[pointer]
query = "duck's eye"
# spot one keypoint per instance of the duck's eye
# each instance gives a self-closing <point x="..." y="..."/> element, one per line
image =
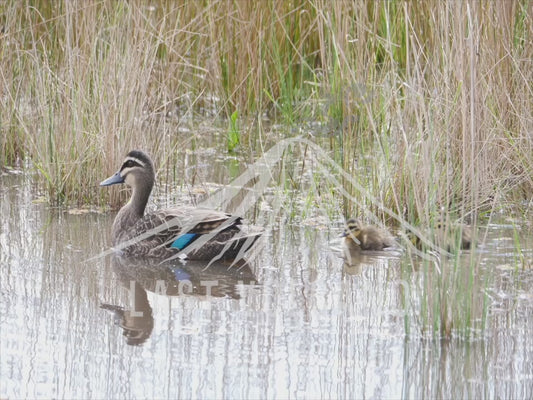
<point x="131" y="163"/>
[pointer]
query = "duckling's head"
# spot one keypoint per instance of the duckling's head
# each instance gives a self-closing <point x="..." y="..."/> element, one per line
<point x="353" y="228"/>
<point x="137" y="169"/>
<point x="414" y="239"/>
<point x="351" y="235"/>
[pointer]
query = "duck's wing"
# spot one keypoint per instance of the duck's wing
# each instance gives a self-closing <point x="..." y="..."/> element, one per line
<point x="208" y="234"/>
<point x="203" y="220"/>
<point x="177" y="227"/>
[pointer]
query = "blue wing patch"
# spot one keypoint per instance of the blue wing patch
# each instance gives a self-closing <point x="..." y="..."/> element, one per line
<point x="184" y="240"/>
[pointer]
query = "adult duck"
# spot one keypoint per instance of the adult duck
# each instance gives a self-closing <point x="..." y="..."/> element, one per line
<point x="197" y="233"/>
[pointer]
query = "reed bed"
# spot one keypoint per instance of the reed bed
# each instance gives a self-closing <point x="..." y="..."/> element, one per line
<point x="426" y="105"/>
<point x="436" y="96"/>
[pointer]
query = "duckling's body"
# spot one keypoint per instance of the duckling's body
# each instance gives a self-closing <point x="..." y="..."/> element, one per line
<point x="466" y="236"/>
<point x="201" y="234"/>
<point x="360" y="237"/>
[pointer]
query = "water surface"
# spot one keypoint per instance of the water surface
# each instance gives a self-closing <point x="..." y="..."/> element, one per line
<point x="296" y="322"/>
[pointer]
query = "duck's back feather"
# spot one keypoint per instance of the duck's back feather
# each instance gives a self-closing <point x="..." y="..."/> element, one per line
<point x="164" y="233"/>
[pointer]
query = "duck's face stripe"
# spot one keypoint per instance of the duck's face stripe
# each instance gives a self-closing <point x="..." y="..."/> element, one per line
<point x="131" y="163"/>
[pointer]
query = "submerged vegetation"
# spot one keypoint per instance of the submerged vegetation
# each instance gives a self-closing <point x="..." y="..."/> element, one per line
<point x="423" y="109"/>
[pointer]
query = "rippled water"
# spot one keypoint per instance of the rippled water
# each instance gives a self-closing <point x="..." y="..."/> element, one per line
<point x="294" y="323"/>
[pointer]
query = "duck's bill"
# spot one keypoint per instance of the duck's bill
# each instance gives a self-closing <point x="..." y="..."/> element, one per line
<point x="113" y="180"/>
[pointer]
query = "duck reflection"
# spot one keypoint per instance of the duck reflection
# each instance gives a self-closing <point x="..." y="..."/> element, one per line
<point x="193" y="278"/>
<point x="136" y="321"/>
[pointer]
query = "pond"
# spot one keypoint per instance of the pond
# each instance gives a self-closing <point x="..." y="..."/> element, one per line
<point x="296" y="321"/>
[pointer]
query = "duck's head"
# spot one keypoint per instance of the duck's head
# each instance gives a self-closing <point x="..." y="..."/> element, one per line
<point x="137" y="169"/>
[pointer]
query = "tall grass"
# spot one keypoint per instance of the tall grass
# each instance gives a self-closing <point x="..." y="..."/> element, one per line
<point x="437" y="93"/>
<point x="427" y="105"/>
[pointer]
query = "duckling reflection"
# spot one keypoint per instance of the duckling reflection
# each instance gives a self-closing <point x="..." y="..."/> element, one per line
<point x="140" y="276"/>
<point x="353" y="261"/>
<point x="364" y="263"/>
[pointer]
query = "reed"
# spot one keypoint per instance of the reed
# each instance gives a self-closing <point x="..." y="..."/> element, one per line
<point x="437" y="92"/>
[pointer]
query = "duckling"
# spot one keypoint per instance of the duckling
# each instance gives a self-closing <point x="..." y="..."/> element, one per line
<point x="465" y="233"/>
<point x="360" y="237"/>
<point x="447" y="237"/>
